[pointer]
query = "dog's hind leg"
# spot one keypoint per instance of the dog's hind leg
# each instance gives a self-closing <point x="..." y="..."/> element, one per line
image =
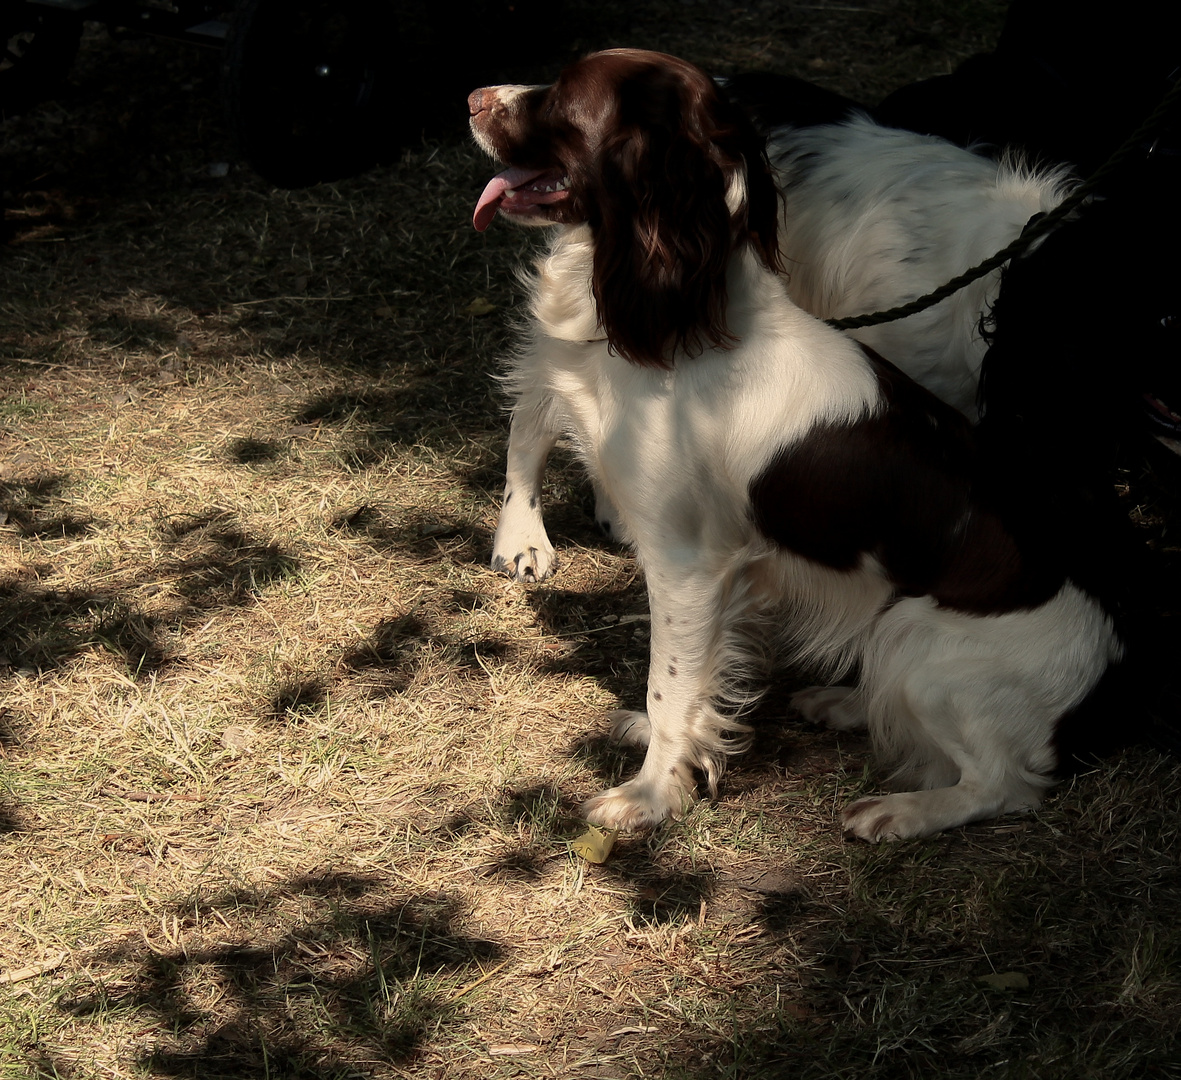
<point x="904" y="815"/>
<point x="606" y="516"/>
<point x="836" y="707"/>
<point x="972" y="736"/>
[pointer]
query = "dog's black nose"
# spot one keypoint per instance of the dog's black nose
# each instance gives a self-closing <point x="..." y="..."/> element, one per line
<point x="477" y="101"/>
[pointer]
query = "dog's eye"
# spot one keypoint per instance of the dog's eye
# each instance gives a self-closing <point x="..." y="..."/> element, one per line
<point x="1170" y="322"/>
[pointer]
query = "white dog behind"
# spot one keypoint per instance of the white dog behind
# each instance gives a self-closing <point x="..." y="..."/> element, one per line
<point x="875" y="217"/>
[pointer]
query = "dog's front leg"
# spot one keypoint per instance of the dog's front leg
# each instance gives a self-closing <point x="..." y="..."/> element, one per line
<point x="683" y="728"/>
<point x="521" y="548"/>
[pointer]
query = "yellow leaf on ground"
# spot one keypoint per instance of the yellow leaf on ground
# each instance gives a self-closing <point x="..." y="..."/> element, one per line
<point x="595" y="844"/>
<point x="479" y="306"/>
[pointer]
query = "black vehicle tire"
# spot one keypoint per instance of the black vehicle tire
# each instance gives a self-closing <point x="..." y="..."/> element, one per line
<point x="39" y="45"/>
<point x="308" y="85"/>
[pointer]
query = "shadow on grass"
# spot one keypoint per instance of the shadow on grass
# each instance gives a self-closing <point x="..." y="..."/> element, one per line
<point x="378" y="420"/>
<point x="425" y="535"/>
<point x="42" y="628"/>
<point x="130" y="334"/>
<point x="384" y="660"/>
<point x="545" y="820"/>
<point x="255" y="452"/>
<point x="217" y="563"/>
<point x="614" y="620"/>
<point x="9" y="822"/>
<point x="27" y="506"/>
<point x="295" y="700"/>
<point x="663" y="896"/>
<point x="887" y="1019"/>
<point x="11" y="819"/>
<point x="610" y="762"/>
<point x="211" y="563"/>
<point x="370" y="972"/>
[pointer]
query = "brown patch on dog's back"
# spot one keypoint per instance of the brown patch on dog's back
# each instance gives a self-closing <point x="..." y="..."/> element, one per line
<point x="908" y="486"/>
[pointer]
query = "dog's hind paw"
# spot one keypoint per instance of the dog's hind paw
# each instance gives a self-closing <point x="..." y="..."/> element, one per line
<point x="879" y="818"/>
<point x="606" y="517"/>
<point x="907" y="815"/>
<point x="836" y="707"/>
<point x="630" y="727"/>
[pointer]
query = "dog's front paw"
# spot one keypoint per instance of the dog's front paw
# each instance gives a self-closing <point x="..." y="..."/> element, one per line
<point x="528" y="564"/>
<point x="834" y="706"/>
<point x="630" y="727"/>
<point x="641" y="804"/>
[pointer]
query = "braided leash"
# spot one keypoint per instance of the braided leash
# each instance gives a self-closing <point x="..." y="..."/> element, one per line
<point x="1037" y="227"/>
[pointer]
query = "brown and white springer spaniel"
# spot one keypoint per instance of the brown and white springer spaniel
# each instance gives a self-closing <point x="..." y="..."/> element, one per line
<point x="765" y="468"/>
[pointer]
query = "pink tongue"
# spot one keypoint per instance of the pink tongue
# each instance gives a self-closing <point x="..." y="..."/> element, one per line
<point x="493" y="194"/>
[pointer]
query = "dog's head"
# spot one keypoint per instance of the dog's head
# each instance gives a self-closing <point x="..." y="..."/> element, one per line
<point x="671" y="179"/>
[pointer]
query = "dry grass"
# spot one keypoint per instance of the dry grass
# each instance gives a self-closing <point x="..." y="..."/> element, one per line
<point x="288" y="773"/>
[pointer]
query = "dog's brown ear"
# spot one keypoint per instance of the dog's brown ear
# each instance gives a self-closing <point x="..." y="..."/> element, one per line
<point x="664" y="233"/>
<point x="761" y="212"/>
